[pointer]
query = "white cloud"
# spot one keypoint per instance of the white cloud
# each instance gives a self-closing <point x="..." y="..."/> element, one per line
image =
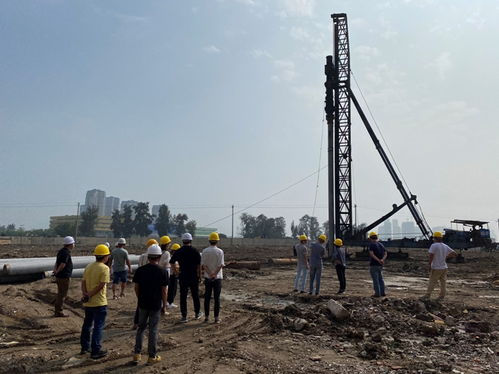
<point x="299" y="33"/>
<point x="211" y="49"/>
<point x="257" y="53"/>
<point x="442" y="64"/>
<point x="297" y="8"/>
<point x="286" y="70"/>
<point x="366" y="52"/>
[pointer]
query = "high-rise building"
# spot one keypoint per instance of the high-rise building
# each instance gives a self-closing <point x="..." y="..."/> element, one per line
<point x="96" y="198"/>
<point x="385" y="230"/>
<point x="111" y="204"/>
<point x="395" y="229"/>
<point x="130" y="203"/>
<point x="155" y="210"/>
<point x="409" y="229"/>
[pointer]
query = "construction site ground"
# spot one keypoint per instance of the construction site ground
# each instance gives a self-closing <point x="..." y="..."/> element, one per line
<point x="267" y="328"/>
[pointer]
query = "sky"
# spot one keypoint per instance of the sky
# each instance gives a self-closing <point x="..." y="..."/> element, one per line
<point x="207" y="104"/>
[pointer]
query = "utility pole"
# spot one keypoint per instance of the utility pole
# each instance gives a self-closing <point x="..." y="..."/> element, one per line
<point x="232" y="236"/>
<point x="77" y="217"/>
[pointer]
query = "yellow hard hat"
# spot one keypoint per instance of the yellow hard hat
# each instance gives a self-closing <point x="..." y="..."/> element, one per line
<point x="438" y="234"/>
<point x="151" y="242"/>
<point x="303" y="237"/>
<point x="214" y="236"/>
<point x="372" y="233"/>
<point x="164" y="240"/>
<point x="338" y="242"/>
<point x="175" y="246"/>
<point x="101" y="250"/>
<point x="323" y="237"/>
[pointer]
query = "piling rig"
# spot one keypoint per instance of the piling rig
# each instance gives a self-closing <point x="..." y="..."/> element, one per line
<point x="339" y="98"/>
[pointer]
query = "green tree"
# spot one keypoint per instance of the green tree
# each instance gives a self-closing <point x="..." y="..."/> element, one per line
<point x="262" y="226"/>
<point x="65" y="229"/>
<point x="117" y="224"/>
<point x="294" y="230"/>
<point x="127" y="221"/>
<point x="142" y="220"/>
<point x="248" y="225"/>
<point x="191" y="227"/>
<point x="179" y="223"/>
<point x="88" y="220"/>
<point x="164" y="224"/>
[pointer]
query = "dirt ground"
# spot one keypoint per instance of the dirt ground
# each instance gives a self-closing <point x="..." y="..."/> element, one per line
<point x="266" y="328"/>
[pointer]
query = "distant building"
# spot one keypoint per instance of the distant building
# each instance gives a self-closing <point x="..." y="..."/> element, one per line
<point x="155" y="210"/>
<point x="385" y="230"/>
<point x="396" y="229"/>
<point x="111" y="204"/>
<point x="130" y="203"/>
<point x="409" y="229"/>
<point x="203" y="231"/>
<point x="96" y="198"/>
<point x="102" y="225"/>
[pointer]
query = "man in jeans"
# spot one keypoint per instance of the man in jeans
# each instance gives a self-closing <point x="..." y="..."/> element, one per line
<point x="119" y="262"/>
<point x="189" y="261"/>
<point x="438" y="254"/>
<point x="317" y="253"/>
<point x="301" y="250"/>
<point x="377" y="254"/>
<point x="340" y="261"/>
<point x="63" y="270"/>
<point x="93" y="287"/>
<point x="151" y="287"/>
<point x="212" y="262"/>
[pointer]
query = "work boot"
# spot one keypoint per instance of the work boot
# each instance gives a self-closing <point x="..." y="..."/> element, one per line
<point x="183" y="320"/>
<point x="60" y="315"/>
<point x="136" y="358"/>
<point x="98" y="354"/>
<point x="153" y="360"/>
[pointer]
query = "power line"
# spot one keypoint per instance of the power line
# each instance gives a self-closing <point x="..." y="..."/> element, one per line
<point x="319" y="167"/>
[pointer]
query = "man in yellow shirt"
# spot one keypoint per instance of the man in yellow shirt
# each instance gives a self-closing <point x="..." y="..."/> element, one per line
<point x="93" y="287"/>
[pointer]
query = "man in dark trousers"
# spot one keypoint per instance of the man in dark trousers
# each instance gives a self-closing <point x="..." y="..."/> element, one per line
<point x="172" y="282"/>
<point x="63" y="270"/>
<point x="340" y="262"/>
<point x="212" y="261"/>
<point x="189" y="261"/>
<point x="151" y="287"/>
<point x="377" y="254"/>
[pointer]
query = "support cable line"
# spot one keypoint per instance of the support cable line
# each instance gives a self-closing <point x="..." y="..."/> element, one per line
<point x="268" y="197"/>
<point x="319" y="167"/>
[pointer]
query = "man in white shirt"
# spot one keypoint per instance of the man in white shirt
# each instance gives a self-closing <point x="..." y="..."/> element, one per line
<point x="212" y="262"/>
<point x="439" y="253"/>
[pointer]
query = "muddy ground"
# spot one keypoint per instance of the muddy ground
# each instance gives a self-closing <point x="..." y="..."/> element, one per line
<point x="266" y="328"/>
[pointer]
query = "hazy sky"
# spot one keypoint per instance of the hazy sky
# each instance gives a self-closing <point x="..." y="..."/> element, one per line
<point x="205" y="104"/>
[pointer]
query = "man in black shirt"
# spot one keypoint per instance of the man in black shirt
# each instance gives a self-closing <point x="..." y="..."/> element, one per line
<point x="151" y="287"/>
<point x="377" y="254"/>
<point x="62" y="271"/>
<point x="189" y="261"/>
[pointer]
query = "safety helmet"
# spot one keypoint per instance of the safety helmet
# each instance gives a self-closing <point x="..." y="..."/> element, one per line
<point x="151" y="242"/>
<point x="68" y="240"/>
<point x="323" y="237"/>
<point x="187" y="237"/>
<point x="438" y="234"/>
<point x="303" y="237"/>
<point x="164" y="240"/>
<point x="175" y="246"/>
<point x="372" y="233"/>
<point x="101" y="250"/>
<point x="154" y="250"/>
<point x="338" y="242"/>
<point x="121" y="241"/>
<point x="214" y="236"/>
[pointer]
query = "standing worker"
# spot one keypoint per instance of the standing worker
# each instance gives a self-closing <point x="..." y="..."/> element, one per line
<point x="340" y="261"/>
<point x="377" y="254"/>
<point x="119" y="261"/>
<point x="164" y="261"/>
<point x="172" y="283"/>
<point x="63" y="270"/>
<point x="438" y="254"/>
<point x="143" y="260"/>
<point x="151" y="287"/>
<point x="212" y="262"/>
<point x="93" y="287"/>
<point x="189" y="261"/>
<point x="302" y="266"/>
<point x="317" y="253"/>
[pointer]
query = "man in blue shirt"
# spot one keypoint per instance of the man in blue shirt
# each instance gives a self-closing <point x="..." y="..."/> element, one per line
<point x="317" y="253"/>
<point x="377" y="254"/>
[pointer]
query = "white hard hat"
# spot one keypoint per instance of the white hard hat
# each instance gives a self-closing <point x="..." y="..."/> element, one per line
<point x="107" y="244"/>
<point x="68" y="240"/>
<point x="154" y="250"/>
<point x="186" y="237"/>
<point x="121" y="241"/>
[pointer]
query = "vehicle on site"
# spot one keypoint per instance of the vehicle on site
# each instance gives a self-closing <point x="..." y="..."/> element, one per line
<point x="468" y="234"/>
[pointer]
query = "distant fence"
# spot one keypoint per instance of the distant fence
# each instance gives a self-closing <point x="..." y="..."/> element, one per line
<point x="139" y="241"/>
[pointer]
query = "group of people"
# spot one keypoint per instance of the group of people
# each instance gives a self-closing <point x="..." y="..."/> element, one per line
<point x="155" y="284"/>
<point x="310" y="260"/>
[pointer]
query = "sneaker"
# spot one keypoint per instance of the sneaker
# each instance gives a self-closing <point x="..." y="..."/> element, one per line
<point x="340" y="292"/>
<point x="183" y="320"/>
<point x="136" y="358"/>
<point x="217" y="320"/>
<point x="99" y="354"/>
<point x="302" y="291"/>
<point x="198" y="316"/>
<point x="60" y="315"/>
<point x="84" y="351"/>
<point x="295" y="290"/>
<point x="153" y="360"/>
<point x="206" y="320"/>
<point x="172" y="306"/>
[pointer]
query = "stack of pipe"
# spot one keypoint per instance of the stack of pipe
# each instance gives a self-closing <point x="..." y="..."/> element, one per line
<point x="15" y="270"/>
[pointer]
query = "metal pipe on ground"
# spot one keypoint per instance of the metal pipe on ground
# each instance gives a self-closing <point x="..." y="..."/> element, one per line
<point x="249" y="265"/>
<point x="282" y="261"/>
